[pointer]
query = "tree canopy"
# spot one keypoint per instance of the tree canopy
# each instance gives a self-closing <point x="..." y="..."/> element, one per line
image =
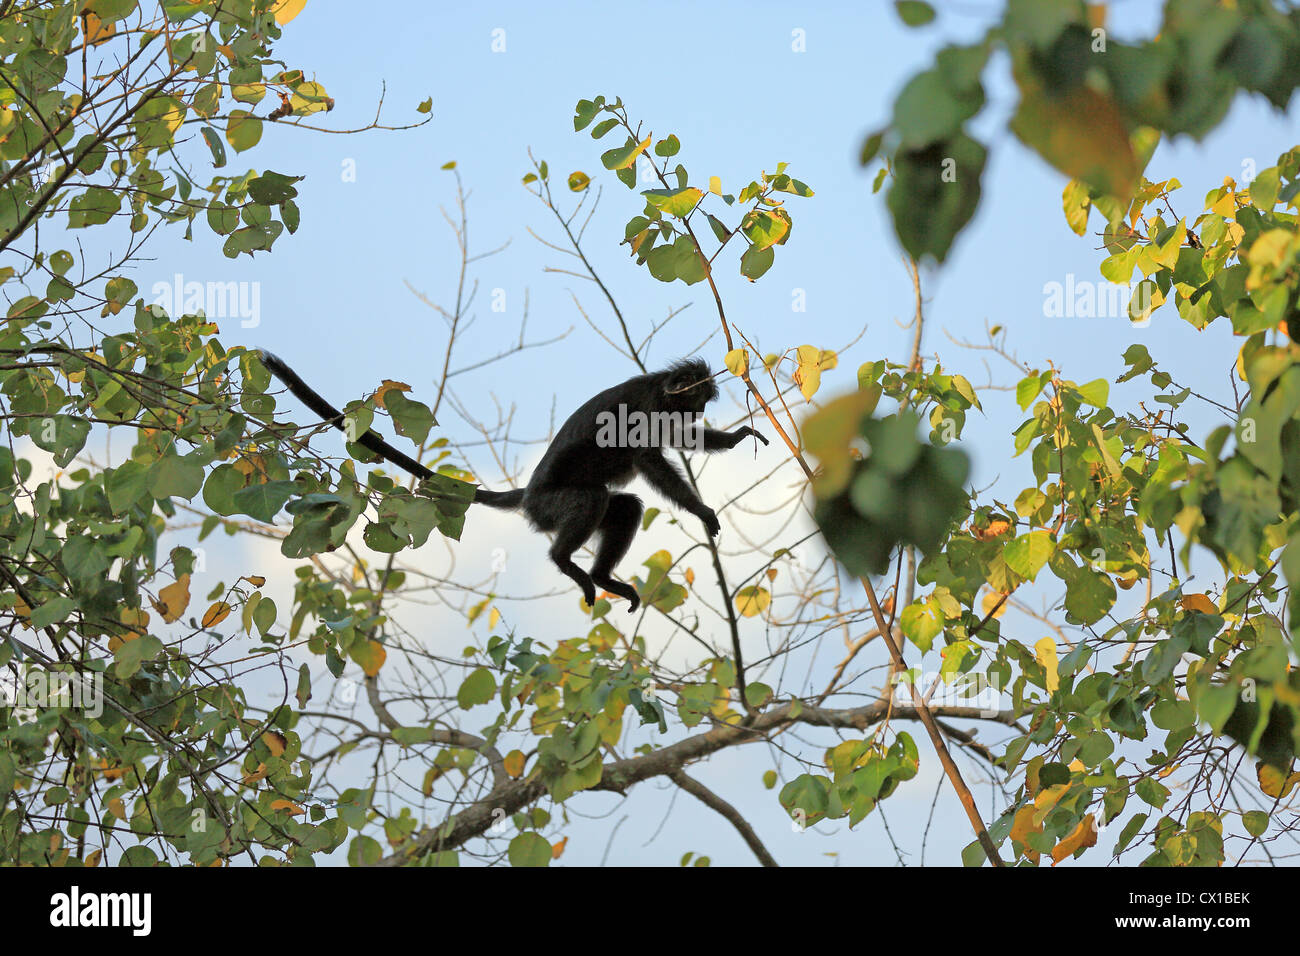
<point x="1131" y="698"/>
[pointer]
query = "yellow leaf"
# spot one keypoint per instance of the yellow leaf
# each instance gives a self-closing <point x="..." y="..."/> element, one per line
<point x="217" y="613"/>
<point x="812" y="361"/>
<point x="389" y="386"/>
<point x="1077" y="765"/>
<point x="1021" y="828"/>
<point x="557" y="849"/>
<point x="690" y="577"/>
<point x="1045" y="654"/>
<point x="370" y="656"/>
<point x="256" y="580"/>
<point x="117" y="808"/>
<point x="1127" y="582"/>
<point x="286" y="10"/>
<point x="256" y="775"/>
<point x="173" y="599"/>
<point x="1274" y="782"/>
<point x="275" y="742"/>
<point x="92" y="858"/>
<point x="289" y="805"/>
<point x="1083" y="133"/>
<point x="1226" y="205"/>
<point x="1082" y="836"/>
<point x="991" y="600"/>
<point x="1047" y="798"/>
<point x="430" y="778"/>
<point x="514" y="763"/>
<point x="477" y="609"/>
<point x="771" y="574"/>
<point x="1198" y="602"/>
<point x="494" y="618"/>
<point x="753" y="600"/>
<point x="996" y="527"/>
<point x="96" y="30"/>
<point x="737" y="362"/>
<point x="640" y="148"/>
<point x="715" y="185"/>
<point x="136" y="618"/>
<point x="251" y="466"/>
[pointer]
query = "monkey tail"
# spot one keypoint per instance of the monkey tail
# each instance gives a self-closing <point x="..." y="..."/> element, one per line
<point x="499" y="499"/>
<point x="313" y="400"/>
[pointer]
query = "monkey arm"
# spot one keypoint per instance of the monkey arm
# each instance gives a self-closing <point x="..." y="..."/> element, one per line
<point x="668" y="481"/>
<point x="699" y="438"/>
<point x="714" y="440"/>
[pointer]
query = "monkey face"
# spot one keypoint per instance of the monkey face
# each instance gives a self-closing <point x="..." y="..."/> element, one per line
<point x="689" y="386"/>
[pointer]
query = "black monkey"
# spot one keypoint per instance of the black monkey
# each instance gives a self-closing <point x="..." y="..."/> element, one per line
<point x="611" y="438"/>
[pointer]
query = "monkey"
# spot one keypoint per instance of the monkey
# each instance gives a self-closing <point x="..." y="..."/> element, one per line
<point x="614" y="436"/>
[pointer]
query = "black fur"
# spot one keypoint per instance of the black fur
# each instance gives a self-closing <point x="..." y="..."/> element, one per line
<point x="570" y="491"/>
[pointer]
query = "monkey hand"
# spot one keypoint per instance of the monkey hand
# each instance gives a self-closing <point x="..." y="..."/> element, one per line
<point x="746" y="431"/>
<point x="710" y="519"/>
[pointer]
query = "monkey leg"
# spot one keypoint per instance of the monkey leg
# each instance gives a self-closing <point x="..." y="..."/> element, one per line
<point x="617" y="529"/>
<point x="574" y="514"/>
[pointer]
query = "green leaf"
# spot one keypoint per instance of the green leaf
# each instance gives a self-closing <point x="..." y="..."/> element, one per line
<point x="1152" y="791"/>
<point x="529" y="849"/>
<point x="125" y="485"/>
<point x="131" y="654"/>
<point x="8" y="773"/>
<point x="478" y="688"/>
<point x="94" y="207"/>
<point x="1255" y="821"/>
<point x="1027" y="554"/>
<point x="668" y="146"/>
<point x="379" y="536"/>
<point x="1028" y="389"/>
<point x="973" y="855"/>
<point x="85" y="557"/>
<point x="1215" y="704"/>
<point x="1095" y="392"/>
<point x="583" y="114"/>
<point x="915" y="13"/>
<point x="929" y="111"/>
<point x="935" y="191"/>
<point x="756" y="261"/>
<point x="756" y="694"/>
<point x="263" y="501"/>
<point x="303" y="694"/>
<point x="52" y="612"/>
<point x="922" y="623"/>
<point x="243" y="130"/>
<point x="215" y="146"/>
<point x="272" y="189"/>
<point x="412" y="419"/>
<point x="173" y="476"/>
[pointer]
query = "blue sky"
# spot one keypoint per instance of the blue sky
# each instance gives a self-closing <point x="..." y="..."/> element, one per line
<point x="726" y="80"/>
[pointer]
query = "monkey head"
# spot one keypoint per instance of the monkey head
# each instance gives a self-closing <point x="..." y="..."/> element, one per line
<point x="688" y="385"/>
